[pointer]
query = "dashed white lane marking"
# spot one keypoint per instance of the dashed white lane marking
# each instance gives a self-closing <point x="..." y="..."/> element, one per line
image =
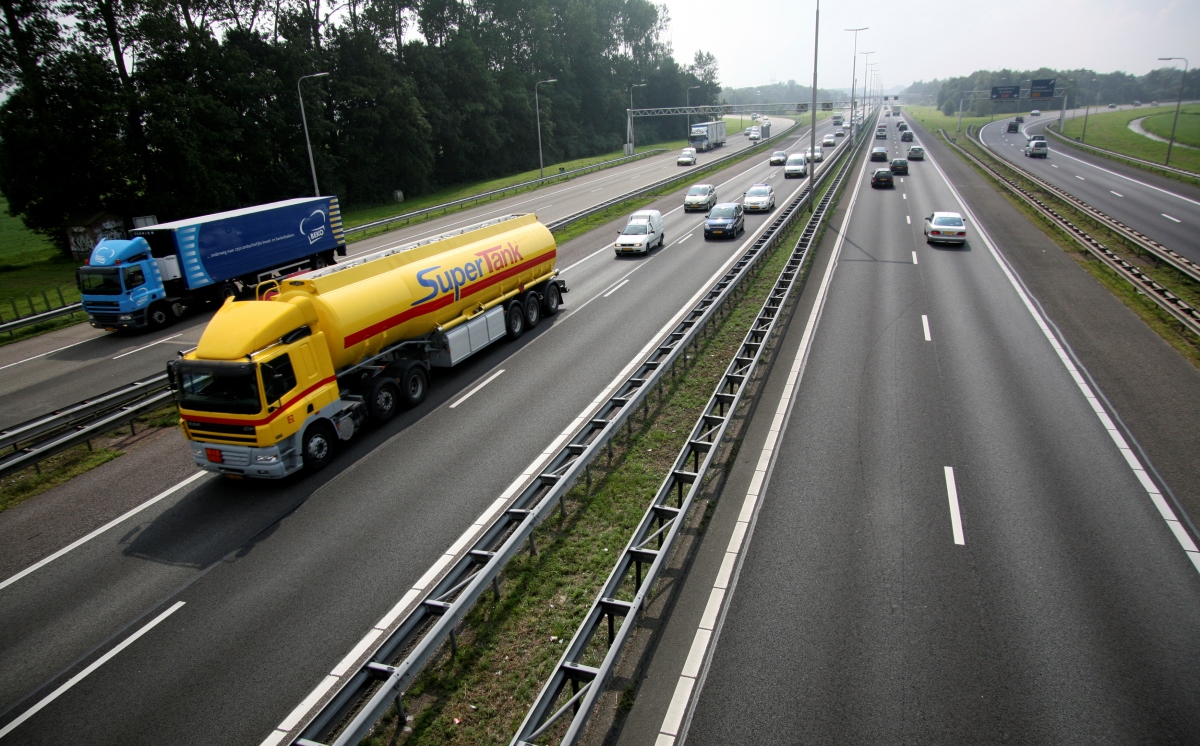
<point x="925" y="326"/>
<point x="674" y="723"/>
<point x="1053" y="166"/>
<point x="685" y="238"/>
<point x="146" y="347"/>
<point x="955" y="514"/>
<point x="481" y="384"/>
<point x="615" y="288"/>
<point x="49" y="352"/>
<point x="914" y="257"/>
<point x="1077" y="176"/>
<point x="1168" y="217"/>
<point x="905" y="196"/>
<point x="908" y="219"/>
<point x="1116" y="193"/>
<point x="87" y="671"/>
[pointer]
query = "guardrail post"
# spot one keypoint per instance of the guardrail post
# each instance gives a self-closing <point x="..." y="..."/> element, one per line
<point x="61" y="300"/>
<point x="532" y="546"/>
<point x="29" y="300"/>
<point x="46" y="299"/>
<point x="16" y="313"/>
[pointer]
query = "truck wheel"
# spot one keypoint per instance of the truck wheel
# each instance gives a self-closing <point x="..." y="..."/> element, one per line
<point x="414" y="383"/>
<point x="321" y="261"/>
<point x="514" y="320"/>
<point x="228" y="290"/>
<point x="383" y="399"/>
<point x="551" y="299"/>
<point x="533" y="310"/>
<point x="159" y="315"/>
<point x="318" y="445"/>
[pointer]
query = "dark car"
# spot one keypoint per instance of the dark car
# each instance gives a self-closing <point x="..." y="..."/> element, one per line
<point x="882" y="178"/>
<point x="902" y="126"/>
<point x="1021" y="119"/>
<point x="899" y="166"/>
<point x="879" y="154"/>
<point x="1013" y="127"/>
<point x="906" y="136"/>
<point x="779" y="157"/>
<point x="725" y="220"/>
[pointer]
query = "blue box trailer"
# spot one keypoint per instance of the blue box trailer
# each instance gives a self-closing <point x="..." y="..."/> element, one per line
<point x="164" y="270"/>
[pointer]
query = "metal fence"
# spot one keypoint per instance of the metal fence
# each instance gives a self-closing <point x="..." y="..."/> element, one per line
<point x="35" y="316"/>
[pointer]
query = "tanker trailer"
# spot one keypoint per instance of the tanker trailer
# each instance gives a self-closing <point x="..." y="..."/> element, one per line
<point x="277" y="381"/>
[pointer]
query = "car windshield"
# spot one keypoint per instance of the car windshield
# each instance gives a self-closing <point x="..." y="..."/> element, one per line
<point x="697" y="191"/>
<point x="880" y="150"/>
<point x="721" y="211"/>
<point x="952" y="222"/>
<point x="636" y="229"/>
<point x="689" y="151"/>
<point x="99" y="281"/>
<point x="899" y="162"/>
<point x="758" y="192"/>
<point x="916" y="150"/>
<point x="883" y="172"/>
<point x="795" y="160"/>
<point x="778" y="153"/>
<point x="207" y="386"/>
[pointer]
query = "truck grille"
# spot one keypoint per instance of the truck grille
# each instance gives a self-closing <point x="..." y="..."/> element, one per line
<point x="235" y="458"/>
<point x="101" y="305"/>
<point x="105" y="319"/>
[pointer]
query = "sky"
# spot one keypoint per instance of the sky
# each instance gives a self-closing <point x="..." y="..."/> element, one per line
<point x="758" y="41"/>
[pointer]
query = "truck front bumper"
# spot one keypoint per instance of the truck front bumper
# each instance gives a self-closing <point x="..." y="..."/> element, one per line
<point x="117" y="319"/>
<point x="274" y="462"/>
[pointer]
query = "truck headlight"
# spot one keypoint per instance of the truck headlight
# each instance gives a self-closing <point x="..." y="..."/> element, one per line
<point x="124" y="317"/>
<point x="266" y="459"/>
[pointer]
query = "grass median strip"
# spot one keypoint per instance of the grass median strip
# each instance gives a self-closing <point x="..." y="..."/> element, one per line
<point x="1156" y="318"/>
<point x="507" y="648"/>
<point x="1110" y="130"/>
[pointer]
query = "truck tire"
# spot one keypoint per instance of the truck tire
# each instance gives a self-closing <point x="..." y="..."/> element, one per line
<point x="383" y="398"/>
<point x="158" y="315"/>
<point x="317" y="445"/>
<point x="514" y="320"/>
<point x="414" y="384"/>
<point x="227" y="290"/>
<point x="551" y="299"/>
<point x="533" y="310"/>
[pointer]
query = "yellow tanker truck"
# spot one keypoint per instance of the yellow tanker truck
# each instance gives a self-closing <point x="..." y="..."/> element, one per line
<point x="276" y="382"/>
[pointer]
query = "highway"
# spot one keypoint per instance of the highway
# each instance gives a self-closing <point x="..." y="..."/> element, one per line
<point x="66" y="366"/>
<point x="931" y="533"/>
<point x="1164" y="209"/>
<point x="208" y="615"/>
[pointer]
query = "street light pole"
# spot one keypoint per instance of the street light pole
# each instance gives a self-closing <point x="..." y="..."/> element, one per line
<point x="812" y="132"/>
<point x="304" y="120"/>
<point x="1087" y="107"/>
<point x="688" y="100"/>
<point x="1178" y="103"/>
<point x="632" y="147"/>
<point x="854" y="73"/>
<point x="538" y="110"/>
<point x="866" y="77"/>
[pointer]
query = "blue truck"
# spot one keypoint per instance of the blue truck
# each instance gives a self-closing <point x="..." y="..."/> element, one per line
<point x="164" y="270"/>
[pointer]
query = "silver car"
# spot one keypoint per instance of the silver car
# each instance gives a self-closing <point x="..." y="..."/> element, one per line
<point x="760" y="198"/>
<point x="795" y="166"/>
<point x="687" y="157"/>
<point x="945" y="227"/>
<point x="700" y="197"/>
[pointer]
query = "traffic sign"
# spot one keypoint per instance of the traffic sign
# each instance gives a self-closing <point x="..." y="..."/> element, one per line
<point x="1006" y="91"/>
<point x="1042" y="88"/>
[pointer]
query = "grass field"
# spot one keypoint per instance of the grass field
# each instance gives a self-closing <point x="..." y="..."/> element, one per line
<point x="1186" y="132"/>
<point x="29" y="266"/>
<point x="1110" y="130"/>
<point x="932" y="118"/>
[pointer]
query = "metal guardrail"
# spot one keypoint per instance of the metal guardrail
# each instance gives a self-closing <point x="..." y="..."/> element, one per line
<point x="405" y="217"/>
<point x="68" y="427"/>
<point x="662" y="521"/>
<point x="1185" y="314"/>
<point x="37" y="318"/>
<point x="1142" y="241"/>
<point x="368" y="690"/>
<point x="1121" y="156"/>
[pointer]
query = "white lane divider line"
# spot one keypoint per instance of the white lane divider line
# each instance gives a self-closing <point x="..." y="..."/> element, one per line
<point x="685" y="238"/>
<point x="85" y="672"/>
<point x="616" y="287"/>
<point x="905" y="196"/>
<point x="1168" y="217"/>
<point x="1077" y="176"/>
<point x="955" y="514"/>
<point x="50" y="352"/>
<point x="482" y="383"/>
<point x="1116" y="193"/>
<point x="1053" y="166"/>
<point x="914" y="257"/>
<point x="146" y="347"/>
<point x="924" y="319"/>
<point x="675" y="722"/>
<point x="114" y="522"/>
<point x="908" y="219"/>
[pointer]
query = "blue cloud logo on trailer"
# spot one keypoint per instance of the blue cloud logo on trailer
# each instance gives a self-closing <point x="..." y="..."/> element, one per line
<point x="314" y="226"/>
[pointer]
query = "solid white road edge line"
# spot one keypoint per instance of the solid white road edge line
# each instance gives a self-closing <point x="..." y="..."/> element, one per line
<point x="85" y="672"/>
<point x="925" y="326"/>
<point x="481" y="384"/>
<point x="114" y="522"/>
<point x="1135" y="464"/>
<point x="146" y="347"/>
<point x="366" y="644"/>
<point x="955" y="514"/>
<point x="691" y="679"/>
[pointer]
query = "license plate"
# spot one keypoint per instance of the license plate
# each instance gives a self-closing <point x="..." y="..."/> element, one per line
<point x="717" y="230"/>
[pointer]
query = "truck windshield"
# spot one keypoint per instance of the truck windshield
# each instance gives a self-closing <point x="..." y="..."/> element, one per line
<point x="99" y="281"/>
<point x="210" y="386"/>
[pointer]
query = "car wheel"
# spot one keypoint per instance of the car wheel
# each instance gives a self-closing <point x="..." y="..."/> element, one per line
<point x="383" y="398"/>
<point x="318" y="443"/>
<point x="533" y="310"/>
<point x="551" y="299"/>
<point x="514" y="320"/>
<point x="662" y="240"/>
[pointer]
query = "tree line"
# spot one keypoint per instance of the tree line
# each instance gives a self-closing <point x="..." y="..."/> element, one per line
<point x="176" y="108"/>
<point x="1081" y="86"/>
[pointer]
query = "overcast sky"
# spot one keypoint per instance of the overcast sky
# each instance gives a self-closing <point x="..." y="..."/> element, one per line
<point x="756" y="41"/>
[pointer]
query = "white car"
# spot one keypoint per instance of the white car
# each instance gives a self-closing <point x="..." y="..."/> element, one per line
<point x="755" y="133"/>
<point x="945" y="227"/>
<point x="761" y="197"/>
<point x="643" y="232"/>
<point x="815" y="155"/>
<point x="1035" y="113"/>
<point x="687" y="157"/>
<point x="747" y="132"/>
<point x="795" y="166"/>
<point x="839" y="132"/>
<point x="829" y="142"/>
<point x="700" y="197"/>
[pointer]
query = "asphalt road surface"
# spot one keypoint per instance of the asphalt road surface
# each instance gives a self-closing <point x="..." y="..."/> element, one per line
<point x="66" y="366"/>
<point x="950" y="547"/>
<point x="210" y="614"/>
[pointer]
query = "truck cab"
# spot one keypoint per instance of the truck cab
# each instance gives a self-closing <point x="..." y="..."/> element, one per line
<point x="123" y="286"/>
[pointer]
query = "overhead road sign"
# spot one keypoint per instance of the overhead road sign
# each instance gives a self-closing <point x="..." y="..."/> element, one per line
<point x="1042" y="88"/>
<point x="1008" y="91"/>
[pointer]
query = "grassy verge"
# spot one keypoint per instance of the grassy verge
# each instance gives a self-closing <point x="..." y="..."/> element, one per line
<point x="19" y="486"/>
<point x="932" y="118"/>
<point x="1187" y="131"/>
<point x="1157" y="319"/>
<point x="507" y="648"/>
<point x="1110" y="130"/>
<point x="32" y="274"/>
